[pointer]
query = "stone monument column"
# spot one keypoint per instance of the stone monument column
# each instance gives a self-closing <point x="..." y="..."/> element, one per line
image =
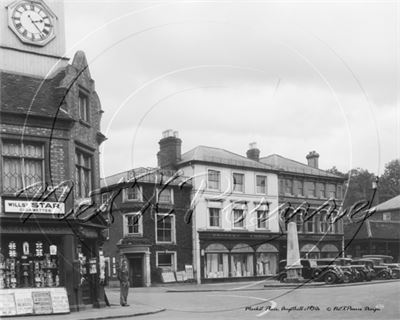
<point x="293" y="264"/>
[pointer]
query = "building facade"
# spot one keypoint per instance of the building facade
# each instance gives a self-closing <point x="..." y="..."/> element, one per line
<point x="235" y="230"/>
<point x="306" y="186"/>
<point x="49" y="139"/>
<point x="378" y="234"/>
<point x="150" y="224"/>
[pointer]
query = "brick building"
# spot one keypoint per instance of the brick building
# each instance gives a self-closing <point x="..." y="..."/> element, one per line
<point x="379" y="234"/>
<point x="234" y="198"/>
<point x="306" y="184"/>
<point x="49" y="139"/>
<point x="150" y="223"/>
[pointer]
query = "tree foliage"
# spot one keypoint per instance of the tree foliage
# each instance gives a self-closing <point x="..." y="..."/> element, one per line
<point x="389" y="181"/>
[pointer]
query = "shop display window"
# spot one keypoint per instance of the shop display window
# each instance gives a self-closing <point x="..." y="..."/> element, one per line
<point x="266" y="264"/>
<point x="217" y="265"/>
<point x="242" y="265"/>
<point x="29" y="264"/>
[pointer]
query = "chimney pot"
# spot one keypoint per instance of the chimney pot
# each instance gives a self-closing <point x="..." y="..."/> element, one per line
<point x="170" y="150"/>
<point x="312" y="159"/>
<point x="253" y="153"/>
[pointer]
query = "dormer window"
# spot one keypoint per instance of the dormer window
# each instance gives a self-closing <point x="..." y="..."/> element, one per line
<point x="83" y="104"/>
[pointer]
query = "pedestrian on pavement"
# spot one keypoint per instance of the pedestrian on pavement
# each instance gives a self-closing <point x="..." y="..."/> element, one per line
<point x="123" y="277"/>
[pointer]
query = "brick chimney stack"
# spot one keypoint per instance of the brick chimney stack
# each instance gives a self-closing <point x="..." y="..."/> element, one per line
<point x="253" y="153"/>
<point x="312" y="159"/>
<point x="170" y="150"/>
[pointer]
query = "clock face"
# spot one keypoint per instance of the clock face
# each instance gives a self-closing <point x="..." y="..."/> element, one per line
<point x="32" y="22"/>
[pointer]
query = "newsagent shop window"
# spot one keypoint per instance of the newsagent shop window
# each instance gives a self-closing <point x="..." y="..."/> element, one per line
<point x="83" y="174"/>
<point x="216" y="261"/>
<point x="23" y="166"/>
<point x="29" y="264"/>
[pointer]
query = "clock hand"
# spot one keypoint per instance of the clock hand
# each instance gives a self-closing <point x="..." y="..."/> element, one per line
<point x="34" y="23"/>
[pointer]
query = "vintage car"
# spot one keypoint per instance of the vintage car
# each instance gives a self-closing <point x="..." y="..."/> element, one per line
<point x="378" y="271"/>
<point x="386" y="261"/>
<point x="349" y="274"/>
<point x="363" y="273"/>
<point x="311" y="271"/>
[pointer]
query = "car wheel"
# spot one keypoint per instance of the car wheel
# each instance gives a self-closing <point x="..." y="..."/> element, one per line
<point x="362" y="276"/>
<point x="282" y="277"/>
<point x="384" y="275"/>
<point x="347" y="277"/>
<point x="330" y="278"/>
<point x="316" y="274"/>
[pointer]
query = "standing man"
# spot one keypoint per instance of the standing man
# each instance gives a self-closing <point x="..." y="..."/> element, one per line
<point x="123" y="277"/>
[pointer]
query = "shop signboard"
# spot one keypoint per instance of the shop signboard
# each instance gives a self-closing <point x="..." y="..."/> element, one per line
<point x="42" y="302"/>
<point x="23" y="206"/>
<point x="7" y="304"/>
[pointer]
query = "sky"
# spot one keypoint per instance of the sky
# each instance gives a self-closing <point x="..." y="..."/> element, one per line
<point x="292" y="76"/>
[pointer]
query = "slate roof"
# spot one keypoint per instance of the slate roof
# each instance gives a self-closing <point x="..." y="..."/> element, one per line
<point x="32" y="96"/>
<point x="149" y="175"/>
<point x="391" y="204"/>
<point x="289" y="165"/>
<point x="373" y="230"/>
<point x="222" y="157"/>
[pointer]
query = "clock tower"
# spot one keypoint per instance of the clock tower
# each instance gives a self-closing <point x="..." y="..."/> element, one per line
<point x="32" y="37"/>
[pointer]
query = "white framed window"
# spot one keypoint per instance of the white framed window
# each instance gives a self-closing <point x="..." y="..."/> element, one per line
<point x="238" y="218"/>
<point x="322" y="191"/>
<point x="386" y="216"/>
<point x="238" y="182"/>
<point x="312" y="191"/>
<point x="261" y="184"/>
<point x="214" y="217"/>
<point x="288" y="186"/>
<point x="23" y="166"/>
<point x="83" y="106"/>
<point x="165" y="196"/>
<point x="165" y="228"/>
<point x="132" y="194"/>
<point x="262" y="219"/>
<point x="166" y="260"/>
<point x="214" y="180"/>
<point x="133" y="224"/>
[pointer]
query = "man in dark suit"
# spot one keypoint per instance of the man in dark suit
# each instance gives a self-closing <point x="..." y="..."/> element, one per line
<point x="123" y="277"/>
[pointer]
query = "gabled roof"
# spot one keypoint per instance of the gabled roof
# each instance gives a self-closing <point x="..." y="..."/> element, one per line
<point x="221" y="157"/>
<point x="391" y="204"/>
<point x="149" y="175"/>
<point x="289" y="165"/>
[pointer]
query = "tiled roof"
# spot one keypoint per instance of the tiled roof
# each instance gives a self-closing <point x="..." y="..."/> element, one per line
<point x="373" y="230"/>
<point x="33" y="96"/>
<point x="289" y="165"/>
<point x="221" y="156"/>
<point x="149" y="175"/>
<point x="391" y="204"/>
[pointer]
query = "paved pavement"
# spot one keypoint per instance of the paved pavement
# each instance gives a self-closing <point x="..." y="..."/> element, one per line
<point x="229" y="301"/>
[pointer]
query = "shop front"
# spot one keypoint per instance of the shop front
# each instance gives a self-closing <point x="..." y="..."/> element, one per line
<point x="48" y="265"/>
<point x="226" y="260"/>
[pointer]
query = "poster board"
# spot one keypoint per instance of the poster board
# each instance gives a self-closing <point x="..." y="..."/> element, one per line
<point x="23" y="302"/>
<point x="181" y="276"/>
<point x="42" y="303"/>
<point x="189" y="271"/>
<point x="7" y="304"/>
<point x="33" y="301"/>
<point x="59" y="300"/>
<point x="168" y="276"/>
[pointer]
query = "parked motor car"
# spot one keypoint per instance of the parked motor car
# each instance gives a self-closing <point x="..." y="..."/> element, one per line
<point x="387" y="261"/>
<point x="347" y="264"/>
<point x="378" y="271"/>
<point x="310" y="270"/>
<point x="348" y="275"/>
<point x="364" y="273"/>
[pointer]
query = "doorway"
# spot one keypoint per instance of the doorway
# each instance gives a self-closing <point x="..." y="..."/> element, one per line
<point x="136" y="270"/>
